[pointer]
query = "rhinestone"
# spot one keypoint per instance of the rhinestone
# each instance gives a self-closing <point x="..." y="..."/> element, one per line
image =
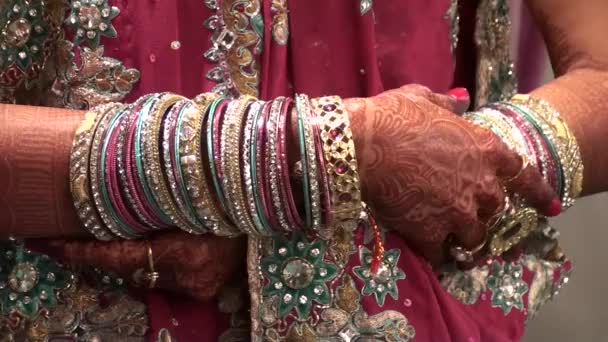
<point x="91" y="34"/>
<point x="43" y="295"/>
<point x="322" y="272"/>
<point x="103" y="26"/>
<point x="298" y="273"/>
<point x="105" y="12"/>
<point x="383" y="275"/>
<point x="303" y="299"/>
<point x="12" y="296"/>
<point x="272" y="268"/>
<point x="335" y="133"/>
<point x="282" y="251"/>
<point x="278" y="285"/>
<point x="80" y="32"/>
<point x="300" y="245"/>
<point x="380" y="288"/>
<point x="287" y="298"/>
<point x="16" y="8"/>
<point x="27" y="300"/>
<point x="2" y="285"/>
<point x="341" y="167"/>
<point x="18" y="32"/>
<point x="76" y="4"/>
<point x="33" y="12"/>
<point x="22" y="55"/>
<point x="175" y="45"/>
<point x="23" y="277"/>
<point x="330" y="107"/>
<point x="105" y="279"/>
<point x="315" y="252"/>
<point x="90" y="17"/>
<point x="34" y="48"/>
<point x="318" y="290"/>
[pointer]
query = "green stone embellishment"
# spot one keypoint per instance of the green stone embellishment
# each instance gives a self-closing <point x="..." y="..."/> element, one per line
<point x="92" y="19"/>
<point x="297" y="274"/>
<point x="385" y="281"/>
<point x="28" y="281"/>
<point x="23" y="34"/>
<point x="507" y="286"/>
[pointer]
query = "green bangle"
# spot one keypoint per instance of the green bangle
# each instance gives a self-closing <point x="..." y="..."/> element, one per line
<point x="210" y="153"/>
<point x="145" y="111"/>
<point x="304" y="160"/>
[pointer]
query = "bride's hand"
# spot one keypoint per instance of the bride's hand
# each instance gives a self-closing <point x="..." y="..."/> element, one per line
<point x="430" y="174"/>
<point x="194" y="265"/>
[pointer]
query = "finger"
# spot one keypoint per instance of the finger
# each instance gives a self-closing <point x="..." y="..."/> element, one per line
<point x="456" y="100"/>
<point x="491" y="198"/>
<point x="472" y="243"/>
<point x="121" y="257"/>
<point x="527" y="181"/>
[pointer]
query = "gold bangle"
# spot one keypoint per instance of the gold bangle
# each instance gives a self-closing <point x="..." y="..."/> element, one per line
<point x="232" y="164"/>
<point x="190" y="158"/>
<point x="516" y="225"/>
<point x="80" y="186"/>
<point x="153" y="160"/>
<point x="569" y="151"/>
<point x="340" y="158"/>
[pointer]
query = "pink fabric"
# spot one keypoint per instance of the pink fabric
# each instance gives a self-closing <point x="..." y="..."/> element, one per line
<point x="332" y="49"/>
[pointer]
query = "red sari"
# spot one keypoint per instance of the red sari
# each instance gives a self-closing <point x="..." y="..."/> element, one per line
<point x="351" y="48"/>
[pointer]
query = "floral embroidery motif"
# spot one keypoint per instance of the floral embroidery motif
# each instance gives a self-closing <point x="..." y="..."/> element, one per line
<point x="28" y="281"/>
<point x="507" y="286"/>
<point x="365" y="6"/>
<point x="92" y="19"/>
<point x="342" y="317"/>
<point x="98" y="79"/>
<point x="496" y="78"/>
<point x="26" y="38"/>
<point x="280" y="21"/>
<point x="384" y="282"/>
<point x="543" y="286"/>
<point x="466" y="286"/>
<point x="236" y="43"/>
<point x="298" y="275"/>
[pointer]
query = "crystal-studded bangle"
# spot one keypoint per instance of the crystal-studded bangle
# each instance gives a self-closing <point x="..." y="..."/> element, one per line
<point x="137" y="184"/>
<point x="572" y="163"/>
<point x="231" y="164"/>
<point x="340" y="159"/>
<point x="171" y="171"/>
<point x="153" y="161"/>
<point x="189" y="146"/>
<point x="278" y="213"/>
<point x="124" y="152"/>
<point x="96" y="175"/>
<point x="249" y="164"/>
<point x="139" y="157"/>
<point x="112" y="193"/>
<point x="80" y="185"/>
<point x="293" y="216"/>
<point x="312" y="194"/>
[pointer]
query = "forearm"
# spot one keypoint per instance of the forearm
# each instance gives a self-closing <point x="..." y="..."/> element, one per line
<point x="575" y="36"/>
<point x="35" y="147"/>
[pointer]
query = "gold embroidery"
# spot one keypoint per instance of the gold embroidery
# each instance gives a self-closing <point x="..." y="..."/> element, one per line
<point x="280" y="22"/>
<point x="243" y="19"/>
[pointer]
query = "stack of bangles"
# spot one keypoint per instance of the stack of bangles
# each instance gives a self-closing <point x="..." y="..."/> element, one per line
<point x="215" y="165"/>
<point x="534" y="130"/>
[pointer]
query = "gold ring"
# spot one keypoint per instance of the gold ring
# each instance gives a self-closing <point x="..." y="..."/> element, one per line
<point x="462" y="254"/>
<point x="525" y="161"/>
<point x="151" y="277"/>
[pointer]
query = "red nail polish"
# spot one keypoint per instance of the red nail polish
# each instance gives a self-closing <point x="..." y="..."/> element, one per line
<point x="459" y="93"/>
<point x="554" y="208"/>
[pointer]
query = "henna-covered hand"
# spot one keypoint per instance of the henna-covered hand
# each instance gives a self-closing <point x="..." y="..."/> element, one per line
<point x="432" y="175"/>
<point x="193" y="265"/>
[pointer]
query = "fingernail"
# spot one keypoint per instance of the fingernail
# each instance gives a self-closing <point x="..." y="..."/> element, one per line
<point x="459" y="93"/>
<point x="554" y="208"/>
